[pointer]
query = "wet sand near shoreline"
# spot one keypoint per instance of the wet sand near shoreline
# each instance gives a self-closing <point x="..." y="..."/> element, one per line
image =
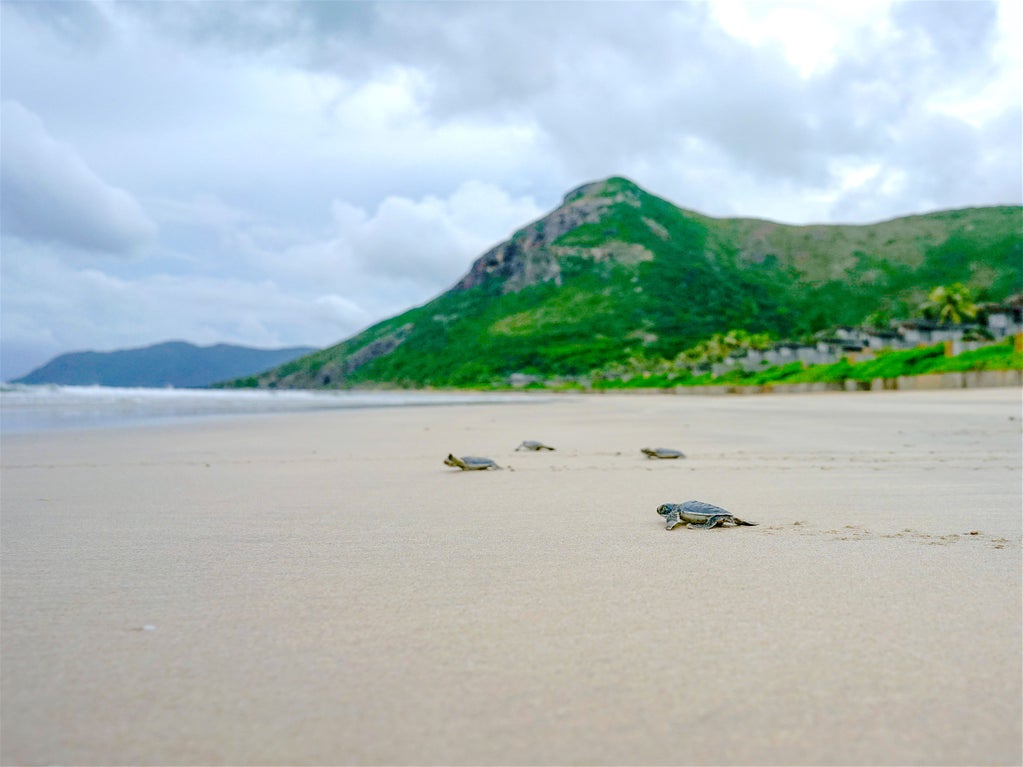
<point x="318" y="588"/>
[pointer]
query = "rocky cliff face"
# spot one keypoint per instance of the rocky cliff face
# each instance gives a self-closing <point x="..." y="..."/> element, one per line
<point x="338" y="372"/>
<point x="529" y="257"/>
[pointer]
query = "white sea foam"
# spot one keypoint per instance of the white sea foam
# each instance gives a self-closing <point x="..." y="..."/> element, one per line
<point x="42" y="408"/>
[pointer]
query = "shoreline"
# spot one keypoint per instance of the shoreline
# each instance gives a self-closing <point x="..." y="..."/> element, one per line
<point x="318" y="588"/>
<point x="64" y="408"/>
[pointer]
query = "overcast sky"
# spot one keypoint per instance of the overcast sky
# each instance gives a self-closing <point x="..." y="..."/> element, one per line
<point x="277" y="174"/>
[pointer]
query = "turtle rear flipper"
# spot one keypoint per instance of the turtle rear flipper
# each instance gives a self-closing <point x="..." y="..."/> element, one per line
<point x="711" y="522"/>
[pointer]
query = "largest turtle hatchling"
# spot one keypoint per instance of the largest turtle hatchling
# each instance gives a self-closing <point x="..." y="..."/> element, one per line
<point x="470" y="462"/>
<point x="698" y="514"/>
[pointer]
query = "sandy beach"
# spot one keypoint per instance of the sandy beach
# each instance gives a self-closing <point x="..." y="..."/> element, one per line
<point x="318" y="588"/>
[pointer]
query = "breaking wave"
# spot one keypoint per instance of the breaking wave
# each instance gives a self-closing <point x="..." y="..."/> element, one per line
<point x="42" y="408"/>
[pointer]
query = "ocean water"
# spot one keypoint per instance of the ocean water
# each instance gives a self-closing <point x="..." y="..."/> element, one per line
<point x="44" y="408"/>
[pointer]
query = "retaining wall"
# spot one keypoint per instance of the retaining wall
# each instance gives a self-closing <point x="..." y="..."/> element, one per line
<point x="969" y="380"/>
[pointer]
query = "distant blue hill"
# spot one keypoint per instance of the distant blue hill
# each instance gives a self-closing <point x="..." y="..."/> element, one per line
<point x="174" y="363"/>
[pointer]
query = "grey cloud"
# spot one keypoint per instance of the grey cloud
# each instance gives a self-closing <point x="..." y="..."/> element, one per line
<point x="947" y="163"/>
<point x="77" y="23"/>
<point x="939" y="162"/>
<point x="315" y="33"/>
<point x="958" y="30"/>
<point x="1004" y="136"/>
<point x="49" y="193"/>
<point x="608" y="84"/>
<point x="220" y="24"/>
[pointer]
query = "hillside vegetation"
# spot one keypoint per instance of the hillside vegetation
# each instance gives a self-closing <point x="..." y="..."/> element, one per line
<point x="888" y="364"/>
<point x="616" y="273"/>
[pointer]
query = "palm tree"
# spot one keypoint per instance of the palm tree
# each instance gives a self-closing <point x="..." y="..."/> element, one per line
<point x="950" y="304"/>
<point x="720" y="345"/>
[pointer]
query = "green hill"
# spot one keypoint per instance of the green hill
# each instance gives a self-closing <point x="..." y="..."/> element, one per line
<point x="616" y="272"/>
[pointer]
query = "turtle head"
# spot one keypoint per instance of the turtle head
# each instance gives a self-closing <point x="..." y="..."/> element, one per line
<point x="451" y="460"/>
<point x="663" y="509"/>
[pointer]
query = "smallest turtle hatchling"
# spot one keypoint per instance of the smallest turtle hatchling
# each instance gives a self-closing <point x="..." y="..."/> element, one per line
<point x="662" y="452"/>
<point x="698" y="514"/>
<point x="531" y="444"/>
<point x="470" y="462"/>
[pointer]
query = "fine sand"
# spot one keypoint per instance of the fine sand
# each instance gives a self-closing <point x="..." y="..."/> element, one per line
<point x="319" y="588"/>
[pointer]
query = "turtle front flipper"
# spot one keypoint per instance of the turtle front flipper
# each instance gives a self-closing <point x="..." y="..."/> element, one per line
<point x="673" y="519"/>
<point x="739" y="522"/>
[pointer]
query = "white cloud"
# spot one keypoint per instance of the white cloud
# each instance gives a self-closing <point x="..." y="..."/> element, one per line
<point x="256" y="285"/>
<point x="810" y="35"/>
<point x="51" y="306"/>
<point x="50" y="193"/>
<point x="430" y="241"/>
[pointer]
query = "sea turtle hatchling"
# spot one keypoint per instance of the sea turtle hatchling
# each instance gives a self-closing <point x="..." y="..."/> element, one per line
<point x="531" y="444"/>
<point x="698" y="514"/>
<point x="662" y="452"/>
<point x="470" y="462"/>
